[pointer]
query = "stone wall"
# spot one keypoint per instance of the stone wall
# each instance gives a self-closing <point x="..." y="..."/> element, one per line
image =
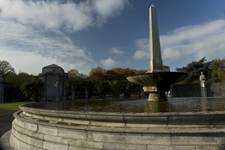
<point x="66" y="130"/>
<point x="193" y="90"/>
<point x="218" y="89"/>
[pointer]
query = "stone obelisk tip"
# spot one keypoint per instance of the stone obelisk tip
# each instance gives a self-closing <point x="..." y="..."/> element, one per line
<point x="152" y="5"/>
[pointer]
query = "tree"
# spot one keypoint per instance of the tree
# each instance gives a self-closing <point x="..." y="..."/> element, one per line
<point x="74" y="73"/>
<point x="32" y="89"/>
<point x="97" y="73"/>
<point x="5" y="68"/>
<point x="194" y="69"/>
<point x="18" y="79"/>
<point x="217" y="67"/>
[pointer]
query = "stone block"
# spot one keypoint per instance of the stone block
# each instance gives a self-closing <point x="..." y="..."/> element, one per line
<point x="118" y="146"/>
<point x="48" y="130"/>
<point x="194" y="139"/>
<point x="72" y="133"/>
<point x="55" y="146"/>
<point x="28" y="132"/>
<point x="107" y="124"/>
<point x="146" y="119"/>
<point x="76" y="121"/>
<point x="79" y="148"/>
<point x="56" y="139"/>
<point x="159" y="147"/>
<point x="148" y="138"/>
<point x="206" y="147"/>
<point x="30" y="126"/>
<point x="86" y="144"/>
<point x="107" y="137"/>
<point x="170" y="147"/>
<point x="18" y="122"/>
<point x="29" y="140"/>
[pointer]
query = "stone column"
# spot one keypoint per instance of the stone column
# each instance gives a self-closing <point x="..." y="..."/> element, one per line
<point x="156" y="64"/>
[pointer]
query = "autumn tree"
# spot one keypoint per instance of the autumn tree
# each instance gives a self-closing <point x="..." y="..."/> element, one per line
<point x="74" y="73"/>
<point x="97" y="73"/>
<point x="217" y="67"/>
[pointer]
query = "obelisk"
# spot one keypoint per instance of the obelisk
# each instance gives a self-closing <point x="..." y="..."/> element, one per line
<point x="156" y="64"/>
<point x="157" y="80"/>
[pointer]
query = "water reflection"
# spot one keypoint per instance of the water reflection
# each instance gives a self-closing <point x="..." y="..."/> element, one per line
<point x="156" y="106"/>
<point x="194" y="104"/>
<point x="204" y="106"/>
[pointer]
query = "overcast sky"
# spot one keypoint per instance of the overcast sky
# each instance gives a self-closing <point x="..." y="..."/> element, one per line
<point x="82" y="34"/>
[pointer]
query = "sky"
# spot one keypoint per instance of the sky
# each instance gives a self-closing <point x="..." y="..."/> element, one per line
<point x="83" y="34"/>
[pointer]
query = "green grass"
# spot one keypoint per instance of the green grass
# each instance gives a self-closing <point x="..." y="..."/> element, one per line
<point x="10" y="106"/>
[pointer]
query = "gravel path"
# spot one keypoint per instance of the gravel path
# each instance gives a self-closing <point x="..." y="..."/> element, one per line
<point x="6" y="118"/>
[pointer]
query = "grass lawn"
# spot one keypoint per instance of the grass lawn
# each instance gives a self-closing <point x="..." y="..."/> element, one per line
<point x="10" y="106"/>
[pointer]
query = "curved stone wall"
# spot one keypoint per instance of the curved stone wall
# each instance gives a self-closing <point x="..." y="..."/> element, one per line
<point x="38" y="129"/>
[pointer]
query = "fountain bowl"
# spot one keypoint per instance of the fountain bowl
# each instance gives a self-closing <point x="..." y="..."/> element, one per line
<point x="157" y="83"/>
<point x="157" y="78"/>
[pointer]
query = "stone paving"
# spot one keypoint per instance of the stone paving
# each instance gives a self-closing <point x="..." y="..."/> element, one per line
<point x="6" y="118"/>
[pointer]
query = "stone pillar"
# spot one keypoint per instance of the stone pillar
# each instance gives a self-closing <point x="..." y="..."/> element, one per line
<point x="155" y="94"/>
<point x="156" y="64"/>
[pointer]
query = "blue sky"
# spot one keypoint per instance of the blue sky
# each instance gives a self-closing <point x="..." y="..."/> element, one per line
<point x="83" y="34"/>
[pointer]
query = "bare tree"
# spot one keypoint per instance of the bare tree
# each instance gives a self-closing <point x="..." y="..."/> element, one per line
<point x="5" y="68"/>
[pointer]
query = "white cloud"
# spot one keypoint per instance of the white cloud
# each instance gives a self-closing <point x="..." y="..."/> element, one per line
<point x="116" y="51"/>
<point x="189" y="43"/>
<point x="195" y="42"/>
<point x="27" y="61"/>
<point x="108" y="63"/>
<point x="141" y="49"/>
<point x="60" y="14"/>
<point x="47" y="14"/>
<point x="49" y="45"/>
<point x="38" y="30"/>
<point x="106" y="8"/>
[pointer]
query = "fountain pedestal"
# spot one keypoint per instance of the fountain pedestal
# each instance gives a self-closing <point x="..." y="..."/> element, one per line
<point x="154" y="93"/>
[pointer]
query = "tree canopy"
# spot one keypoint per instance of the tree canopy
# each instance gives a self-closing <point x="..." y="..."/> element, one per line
<point x="213" y="70"/>
<point x="5" y="68"/>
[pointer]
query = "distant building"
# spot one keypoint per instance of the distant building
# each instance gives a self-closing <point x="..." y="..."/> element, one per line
<point x="54" y="80"/>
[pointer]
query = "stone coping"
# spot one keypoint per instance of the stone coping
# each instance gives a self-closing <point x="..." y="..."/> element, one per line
<point x="170" y="118"/>
<point x="137" y="128"/>
<point x="31" y="107"/>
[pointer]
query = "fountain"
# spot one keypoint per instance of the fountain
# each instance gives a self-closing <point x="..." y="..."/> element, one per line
<point x="157" y="79"/>
<point x="44" y="126"/>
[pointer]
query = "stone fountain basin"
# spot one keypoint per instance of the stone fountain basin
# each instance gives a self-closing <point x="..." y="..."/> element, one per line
<point x="39" y="128"/>
<point x="157" y="78"/>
